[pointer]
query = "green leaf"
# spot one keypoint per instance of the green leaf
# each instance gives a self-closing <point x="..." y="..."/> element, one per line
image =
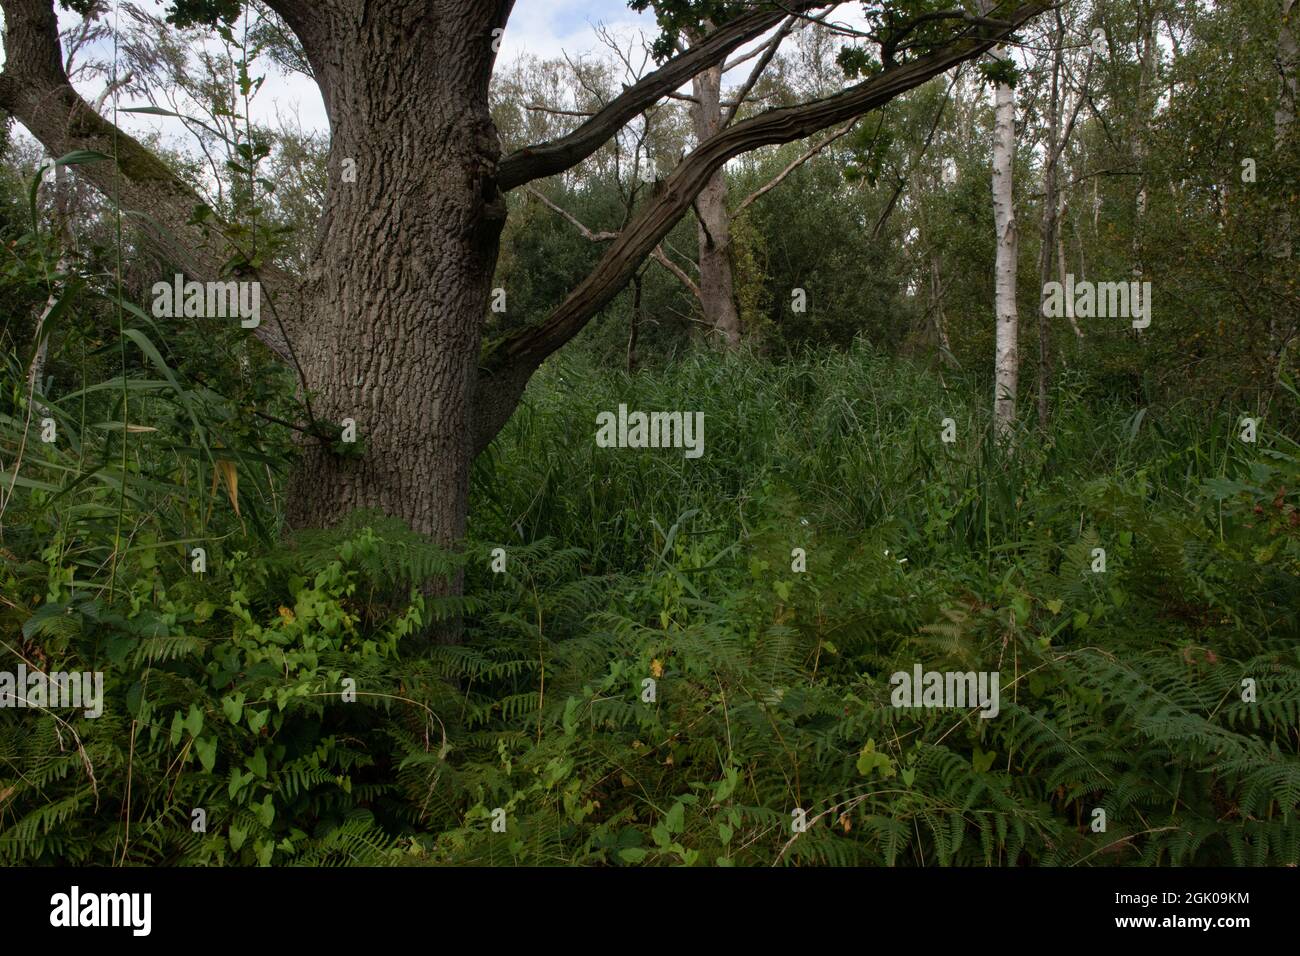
<point x="632" y="854"/>
<point x="206" y="748"/>
<point x="869" y="760"/>
<point x="238" y="780"/>
<point x="194" y="721"/>
<point x="1020" y="605"/>
<point x="80" y="157"/>
<point x="257" y="762"/>
<point x="233" y="707"/>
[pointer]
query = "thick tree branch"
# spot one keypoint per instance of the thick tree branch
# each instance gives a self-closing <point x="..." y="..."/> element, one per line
<point x="547" y="159"/>
<point x="508" y="363"/>
<point x="35" y="89"/>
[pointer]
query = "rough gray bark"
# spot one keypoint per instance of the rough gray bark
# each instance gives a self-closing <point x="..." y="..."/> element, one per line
<point x="403" y="270"/>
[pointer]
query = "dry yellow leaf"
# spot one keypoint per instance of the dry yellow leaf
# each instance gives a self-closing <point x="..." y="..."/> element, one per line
<point x="230" y="475"/>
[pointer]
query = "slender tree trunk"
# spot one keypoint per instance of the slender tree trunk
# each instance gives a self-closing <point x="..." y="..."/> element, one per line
<point x="1288" y="67"/>
<point x="940" y="318"/>
<point x="1146" y="79"/>
<point x="1007" y="374"/>
<point x="717" y="287"/>
<point x="1048" y="227"/>
<point x="63" y="230"/>
<point x="635" y="324"/>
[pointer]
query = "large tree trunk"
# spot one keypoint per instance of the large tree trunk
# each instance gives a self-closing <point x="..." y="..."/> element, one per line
<point x="717" y="288"/>
<point x="400" y="289"/>
<point x="1007" y="374"/>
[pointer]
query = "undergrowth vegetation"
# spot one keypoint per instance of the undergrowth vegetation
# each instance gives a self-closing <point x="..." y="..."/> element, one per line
<point x="648" y="680"/>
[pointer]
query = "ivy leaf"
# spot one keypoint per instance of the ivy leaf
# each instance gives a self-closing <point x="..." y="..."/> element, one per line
<point x="257" y="720"/>
<point x="238" y="780"/>
<point x="193" y="721"/>
<point x="257" y="762"/>
<point x="233" y="707"/>
<point x="206" y="748"/>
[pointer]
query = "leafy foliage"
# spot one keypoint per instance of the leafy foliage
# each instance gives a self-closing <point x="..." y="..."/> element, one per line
<point x="1120" y="691"/>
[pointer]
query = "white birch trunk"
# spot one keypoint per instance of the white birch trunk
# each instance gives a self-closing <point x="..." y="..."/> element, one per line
<point x="1004" y="218"/>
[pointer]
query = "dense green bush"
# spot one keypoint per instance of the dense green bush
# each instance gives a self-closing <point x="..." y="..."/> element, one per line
<point x="291" y="692"/>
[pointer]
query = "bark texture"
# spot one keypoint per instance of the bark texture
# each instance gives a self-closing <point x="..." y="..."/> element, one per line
<point x="403" y="269"/>
<point x="1004" y="217"/>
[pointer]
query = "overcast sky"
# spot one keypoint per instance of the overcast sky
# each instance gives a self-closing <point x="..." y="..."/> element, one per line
<point x="541" y="28"/>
